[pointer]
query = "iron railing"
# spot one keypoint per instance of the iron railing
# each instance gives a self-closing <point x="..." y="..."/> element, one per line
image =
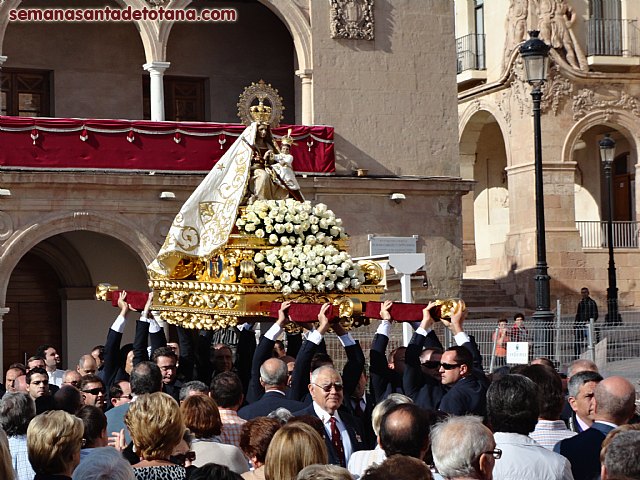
<point x="612" y="37"/>
<point x="594" y="234"/>
<point x="470" y="50"/>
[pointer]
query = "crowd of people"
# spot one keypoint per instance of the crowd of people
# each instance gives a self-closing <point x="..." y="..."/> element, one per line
<point x="157" y="410"/>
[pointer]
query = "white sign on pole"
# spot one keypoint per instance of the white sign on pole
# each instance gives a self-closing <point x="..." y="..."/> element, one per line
<point x="518" y="353"/>
<point x="385" y="245"/>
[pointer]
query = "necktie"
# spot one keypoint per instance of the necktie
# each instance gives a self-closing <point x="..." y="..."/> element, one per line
<point x="336" y="440"/>
<point x="359" y="412"/>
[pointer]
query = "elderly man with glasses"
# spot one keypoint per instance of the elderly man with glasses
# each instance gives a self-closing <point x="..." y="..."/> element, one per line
<point x="463" y="448"/>
<point x="344" y="433"/>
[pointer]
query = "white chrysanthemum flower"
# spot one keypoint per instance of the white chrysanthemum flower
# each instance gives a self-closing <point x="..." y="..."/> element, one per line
<point x="273" y="239"/>
<point x="270" y="278"/>
<point x="284" y="240"/>
<point x="288" y="227"/>
<point x="277" y="284"/>
<point x="259" y="233"/>
<point x="285" y="277"/>
<point x="295" y="285"/>
<point x="295" y="273"/>
<point x="341" y="286"/>
<point x="307" y="286"/>
<point x="286" y="290"/>
<point x="268" y="228"/>
<point x="329" y="285"/>
<point x="334" y="231"/>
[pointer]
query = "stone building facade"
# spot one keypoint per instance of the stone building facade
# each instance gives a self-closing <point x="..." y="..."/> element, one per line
<point x="593" y="89"/>
<point x="380" y="72"/>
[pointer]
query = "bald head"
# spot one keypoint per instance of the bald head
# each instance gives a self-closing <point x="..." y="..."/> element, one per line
<point x="273" y="374"/>
<point x="614" y="400"/>
<point x="87" y="365"/>
<point x="404" y="430"/>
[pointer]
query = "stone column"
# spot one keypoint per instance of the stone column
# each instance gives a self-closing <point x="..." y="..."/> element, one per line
<point x="3" y="59"/>
<point x="156" y="72"/>
<point x="3" y="312"/>
<point x="306" y="96"/>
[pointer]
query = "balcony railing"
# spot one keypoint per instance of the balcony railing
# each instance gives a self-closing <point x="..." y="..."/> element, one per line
<point x="594" y="234"/>
<point x="470" y="51"/>
<point x="612" y="37"/>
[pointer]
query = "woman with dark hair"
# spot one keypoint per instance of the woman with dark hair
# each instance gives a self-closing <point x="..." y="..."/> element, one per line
<point x="202" y="418"/>
<point x="213" y="471"/>
<point x="95" y="429"/>
<point x="254" y="441"/>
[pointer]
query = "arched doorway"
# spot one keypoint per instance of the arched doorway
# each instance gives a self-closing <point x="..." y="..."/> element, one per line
<point x="34" y="318"/>
<point x="486" y="208"/>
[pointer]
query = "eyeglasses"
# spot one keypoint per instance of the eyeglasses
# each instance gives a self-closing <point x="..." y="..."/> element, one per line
<point x="495" y="453"/>
<point x="94" y="391"/>
<point x="431" y="364"/>
<point x="327" y="388"/>
<point x="182" y="458"/>
<point x="450" y="366"/>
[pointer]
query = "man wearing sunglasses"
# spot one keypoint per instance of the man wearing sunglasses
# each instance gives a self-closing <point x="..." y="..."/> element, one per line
<point x="462" y="385"/>
<point x="93" y="392"/>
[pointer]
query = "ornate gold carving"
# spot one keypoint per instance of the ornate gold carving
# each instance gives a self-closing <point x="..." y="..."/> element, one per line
<point x="352" y="19"/>
<point x="268" y="98"/>
<point x="588" y="100"/>
<point x="102" y="289"/>
<point x="373" y="272"/>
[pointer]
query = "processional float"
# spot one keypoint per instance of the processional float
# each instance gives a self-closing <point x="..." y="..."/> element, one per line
<point x="240" y="246"/>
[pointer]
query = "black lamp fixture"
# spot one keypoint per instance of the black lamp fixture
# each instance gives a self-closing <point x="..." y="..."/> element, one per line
<point x="535" y="55"/>
<point x="607" y="152"/>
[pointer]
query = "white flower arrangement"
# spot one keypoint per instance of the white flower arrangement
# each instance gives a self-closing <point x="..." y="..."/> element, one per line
<point x="303" y="257"/>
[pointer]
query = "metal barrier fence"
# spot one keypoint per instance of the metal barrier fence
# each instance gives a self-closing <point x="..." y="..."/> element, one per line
<point x="615" y="349"/>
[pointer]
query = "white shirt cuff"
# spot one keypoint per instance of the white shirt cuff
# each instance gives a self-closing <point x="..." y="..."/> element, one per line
<point x="461" y="338"/>
<point x="315" y="337"/>
<point x="274" y="332"/>
<point x="422" y="331"/>
<point x="384" y="328"/>
<point x="118" y="324"/>
<point x="153" y="326"/>
<point x="347" y="340"/>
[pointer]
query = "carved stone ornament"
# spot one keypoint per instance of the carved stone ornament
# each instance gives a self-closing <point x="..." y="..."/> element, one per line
<point x="588" y="100"/>
<point x="554" y="90"/>
<point x="263" y="93"/>
<point x="352" y="19"/>
<point x="504" y="107"/>
<point x="6" y="225"/>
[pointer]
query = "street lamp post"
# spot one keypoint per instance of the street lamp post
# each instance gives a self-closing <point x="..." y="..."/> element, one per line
<point x="607" y="152"/>
<point x="534" y="53"/>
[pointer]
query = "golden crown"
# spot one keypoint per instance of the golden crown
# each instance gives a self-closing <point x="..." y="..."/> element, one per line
<point x="260" y="113"/>
<point x="287" y="139"/>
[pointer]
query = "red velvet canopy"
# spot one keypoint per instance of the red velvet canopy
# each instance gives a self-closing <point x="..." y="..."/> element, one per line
<point x="86" y="144"/>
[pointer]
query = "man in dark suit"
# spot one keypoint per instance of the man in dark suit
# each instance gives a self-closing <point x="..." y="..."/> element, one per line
<point x="614" y="405"/>
<point x="343" y="431"/>
<point x="273" y="378"/>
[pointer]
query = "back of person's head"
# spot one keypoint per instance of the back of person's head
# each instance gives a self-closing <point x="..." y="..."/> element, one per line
<point x="16" y="411"/>
<point x="581" y="365"/>
<point x="54" y="440"/>
<point x="67" y="398"/>
<point x="191" y="388"/>
<point x="622" y="458"/>
<point x="614" y="400"/>
<point x="281" y="414"/>
<point x="201" y="416"/>
<point x="213" y="471"/>
<point x="383" y="407"/>
<point x="550" y="396"/>
<point x="104" y="463"/>
<point x="155" y="423"/>
<point x="463" y="356"/>
<point x="457" y="445"/>
<point x="145" y="378"/>
<point x="273" y="372"/>
<point x="404" y="430"/>
<point x="226" y="389"/>
<point x="313" y="421"/>
<point x="256" y="436"/>
<point x="579" y="379"/>
<point x="543" y="361"/>
<point x="320" y="359"/>
<point x="95" y="424"/>
<point x="293" y="447"/>
<point x="6" y="464"/>
<point x="324" y="472"/>
<point x="399" y="467"/>
<point x="500" y="372"/>
<point x="512" y="405"/>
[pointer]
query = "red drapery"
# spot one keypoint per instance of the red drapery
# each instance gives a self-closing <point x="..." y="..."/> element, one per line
<point x="84" y="144"/>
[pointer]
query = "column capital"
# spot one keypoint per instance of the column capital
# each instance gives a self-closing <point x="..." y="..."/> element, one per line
<point x="3" y="58"/>
<point x="156" y="67"/>
<point x="304" y="74"/>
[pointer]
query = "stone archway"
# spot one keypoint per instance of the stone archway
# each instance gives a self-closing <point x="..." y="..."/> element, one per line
<point x="483" y="157"/>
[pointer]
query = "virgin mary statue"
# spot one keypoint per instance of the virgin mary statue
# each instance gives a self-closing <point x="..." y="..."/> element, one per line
<point x="206" y="219"/>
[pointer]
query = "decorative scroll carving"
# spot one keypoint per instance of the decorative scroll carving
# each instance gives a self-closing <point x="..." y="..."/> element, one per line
<point x="352" y="19"/>
<point x="504" y="106"/>
<point x="588" y="100"/>
<point x="6" y="226"/>
<point x="554" y="90"/>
